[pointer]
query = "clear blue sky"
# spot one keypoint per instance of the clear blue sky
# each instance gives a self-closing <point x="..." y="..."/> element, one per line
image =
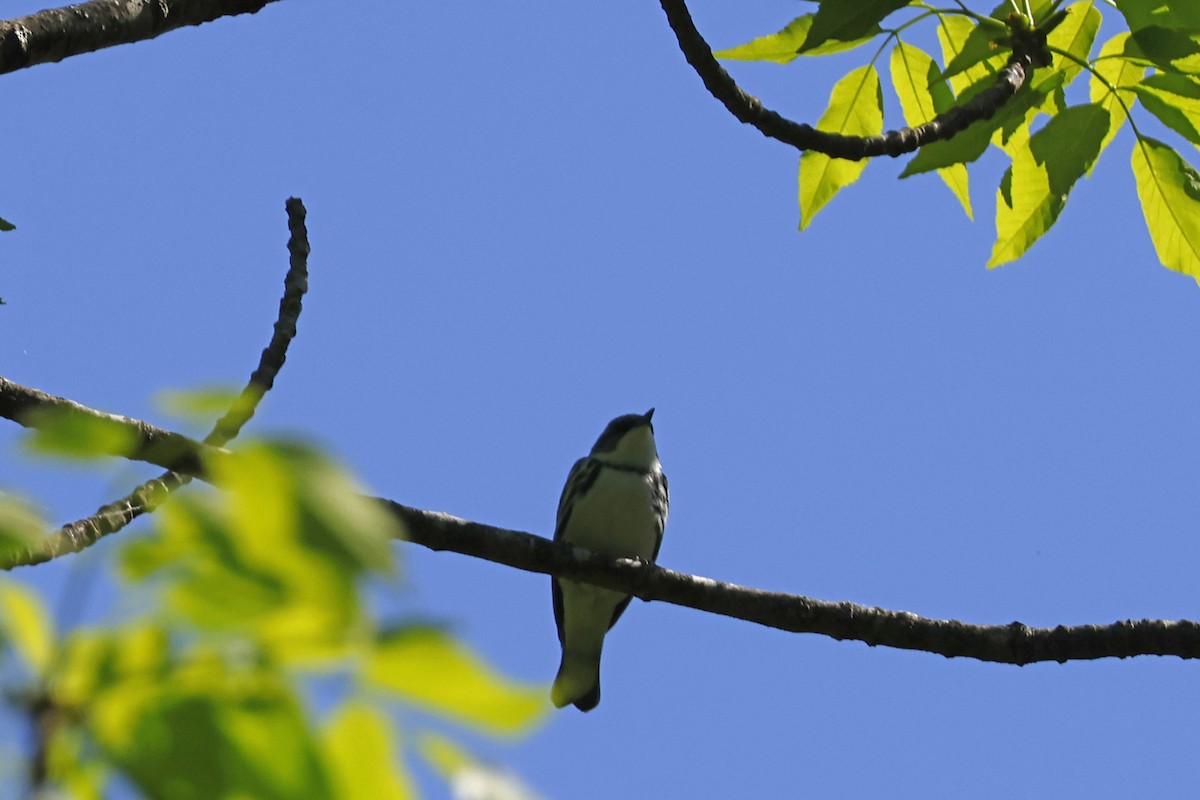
<point x="528" y="218"/>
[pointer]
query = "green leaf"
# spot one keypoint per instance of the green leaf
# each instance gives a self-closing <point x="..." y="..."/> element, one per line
<point x="276" y="555"/>
<point x="968" y="145"/>
<point x="855" y="109"/>
<point x="94" y="661"/>
<point x="1142" y="14"/>
<point x="361" y="753"/>
<point x="429" y="668"/>
<point x="848" y="20"/>
<point x="1169" y="189"/>
<point x="1175" y="100"/>
<point x="784" y="45"/>
<point x="198" y="404"/>
<point x="967" y="49"/>
<point x="1115" y="64"/>
<point x="204" y="731"/>
<point x="65" y="432"/>
<point x="5" y="225"/>
<point x="25" y="627"/>
<point x="923" y="95"/>
<point x="1167" y="33"/>
<point x="1035" y="188"/>
<point x="1076" y="35"/>
<point x="21" y="527"/>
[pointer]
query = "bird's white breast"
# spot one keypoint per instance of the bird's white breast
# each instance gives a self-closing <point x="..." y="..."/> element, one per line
<point x="616" y="516"/>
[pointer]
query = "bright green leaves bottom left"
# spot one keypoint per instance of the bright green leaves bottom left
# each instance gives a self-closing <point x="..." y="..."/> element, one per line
<point x="245" y="594"/>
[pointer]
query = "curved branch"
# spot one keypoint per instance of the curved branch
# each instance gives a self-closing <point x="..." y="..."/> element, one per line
<point x="749" y="109"/>
<point x="1005" y="644"/>
<point x="59" y="33"/>
<point x="182" y="457"/>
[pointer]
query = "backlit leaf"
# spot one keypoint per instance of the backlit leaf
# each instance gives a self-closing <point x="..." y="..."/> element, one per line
<point x="785" y="45"/>
<point x="429" y="668"/>
<point x="1175" y="100"/>
<point x="1035" y="188"/>
<point x="1169" y="189"/>
<point x="848" y="20"/>
<point x="25" y="627"/>
<point x="855" y="108"/>
<point x="923" y="95"/>
<point x="1115" y="64"/>
<point x="362" y="756"/>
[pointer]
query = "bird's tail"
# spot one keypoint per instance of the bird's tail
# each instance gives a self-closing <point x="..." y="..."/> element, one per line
<point x="578" y="681"/>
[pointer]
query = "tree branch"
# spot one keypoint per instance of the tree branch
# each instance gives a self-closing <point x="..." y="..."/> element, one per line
<point x="1005" y="644"/>
<point x="183" y="458"/>
<point x="59" y="33"/>
<point x="749" y="109"/>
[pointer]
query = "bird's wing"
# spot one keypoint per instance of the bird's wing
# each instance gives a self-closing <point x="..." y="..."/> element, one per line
<point x="579" y="480"/>
<point x="661" y="498"/>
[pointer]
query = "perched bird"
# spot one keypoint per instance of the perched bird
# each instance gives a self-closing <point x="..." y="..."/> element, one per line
<point x="615" y="502"/>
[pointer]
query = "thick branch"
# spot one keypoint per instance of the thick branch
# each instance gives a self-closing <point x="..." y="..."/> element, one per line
<point x="1005" y="644"/>
<point x="750" y="110"/>
<point x="58" y="33"/>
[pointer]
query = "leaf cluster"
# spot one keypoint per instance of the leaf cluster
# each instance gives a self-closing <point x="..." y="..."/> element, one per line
<point x="244" y="600"/>
<point x="1051" y="137"/>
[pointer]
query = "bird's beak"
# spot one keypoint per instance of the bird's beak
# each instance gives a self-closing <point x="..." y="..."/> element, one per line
<point x="649" y="414"/>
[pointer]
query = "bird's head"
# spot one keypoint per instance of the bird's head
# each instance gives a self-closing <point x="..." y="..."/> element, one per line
<point x="628" y="441"/>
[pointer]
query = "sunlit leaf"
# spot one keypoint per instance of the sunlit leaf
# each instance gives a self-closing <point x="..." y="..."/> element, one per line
<point x="1140" y="14"/>
<point x="1175" y="100"/>
<point x="967" y="146"/>
<point x="1169" y="189"/>
<point x="848" y="20"/>
<point x="855" y="108"/>
<point x="1075" y="35"/>
<point x="25" y="627"/>
<point x="967" y="48"/>
<point x="785" y="45"/>
<point x="92" y="661"/>
<point x="206" y="731"/>
<point x="1115" y="65"/>
<point x="1035" y="188"/>
<point x="276" y="555"/>
<point x="362" y="756"/>
<point x="72" y="765"/>
<point x="21" y="527"/>
<point x="1167" y="33"/>
<point x="76" y="435"/>
<point x="923" y="95"/>
<point x="198" y="404"/>
<point x="429" y="668"/>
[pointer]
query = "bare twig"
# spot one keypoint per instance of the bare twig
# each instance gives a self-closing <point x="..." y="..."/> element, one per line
<point x="749" y="109"/>
<point x="58" y="33"/>
<point x="184" y="457"/>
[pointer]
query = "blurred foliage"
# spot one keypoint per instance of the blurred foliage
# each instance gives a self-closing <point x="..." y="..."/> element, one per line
<point x="1151" y="65"/>
<point x="243" y="596"/>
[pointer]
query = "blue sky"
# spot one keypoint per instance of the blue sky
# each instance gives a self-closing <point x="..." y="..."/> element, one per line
<point x="529" y="218"/>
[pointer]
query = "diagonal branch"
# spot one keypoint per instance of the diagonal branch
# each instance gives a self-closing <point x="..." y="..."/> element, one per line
<point x="1006" y="644"/>
<point x="749" y="109"/>
<point x="58" y="33"/>
<point x="182" y="457"/>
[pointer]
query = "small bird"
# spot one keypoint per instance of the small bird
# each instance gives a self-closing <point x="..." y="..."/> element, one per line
<point x="615" y="502"/>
